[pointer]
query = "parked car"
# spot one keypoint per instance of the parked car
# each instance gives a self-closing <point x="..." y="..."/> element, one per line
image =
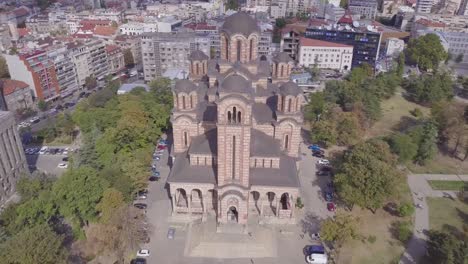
<point x="171" y="233"/>
<point x="155" y="157"/>
<point x="141" y="196"/>
<point x="331" y="207"/>
<point x="315" y="236"/>
<point x="65" y="159"/>
<point x="163" y="142"/>
<point x="143" y="192"/>
<point x="34" y="120"/>
<point x="323" y="162"/>
<point x="161" y="147"/>
<point x="328" y="196"/>
<point x="63" y="165"/>
<point x="138" y="261"/>
<point x="153" y="178"/>
<point x="43" y="150"/>
<point x="324" y="173"/>
<point x="318" y="154"/>
<point x="140" y="205"/>
<point x="143" y="253"/>
<point x="314" y="147"/>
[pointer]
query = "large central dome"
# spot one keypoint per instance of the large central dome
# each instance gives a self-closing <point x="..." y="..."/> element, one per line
<point x="240" y="22"/>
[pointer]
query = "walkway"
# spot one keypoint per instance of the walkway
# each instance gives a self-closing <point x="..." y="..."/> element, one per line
<point x="420" y="189"/>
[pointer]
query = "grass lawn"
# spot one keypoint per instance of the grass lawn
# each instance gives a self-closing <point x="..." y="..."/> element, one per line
<point x="448" y="185"/>
<point x="442" y="164"/>
<point x="446" y="214"/>
<point x="386" y="249"/>
<point x="394" y="111"/>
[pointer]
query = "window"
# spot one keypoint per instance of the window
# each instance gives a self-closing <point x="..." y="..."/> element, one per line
<point x="233" y="157"/>
<point x="185" y="139"/>
<point x="289" y="105"/>
<point x="191" y="101"/>
<point x="229" y="117"/>
<point x="239" y="45"/>
<point x="286" y="142"/>
<point x="251" y="49"/>
<point x="234" y="114"/>
<point x="183" y="101"/>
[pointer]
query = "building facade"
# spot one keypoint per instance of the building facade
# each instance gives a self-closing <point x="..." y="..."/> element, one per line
<point x="366" y="43"/>
<point x="290" y="42"/>
<point x="115" y="59"/>
<point x="424" y="6"/>
<point x="164" y="51"/>
<point x="236" y="135"/>
<point x="325" y="55"/>
<point x="364" y="8"/>
<point x="17" y="95"/>
<point x="12" y="158"/>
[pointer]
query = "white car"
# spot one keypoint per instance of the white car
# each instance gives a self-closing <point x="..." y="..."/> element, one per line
<point x="143" y="253"/>
<point x="323" y="162"/>
<point x="63" y="165"/>
<point x="43" y="150"/>
<point x="65" y="152"/>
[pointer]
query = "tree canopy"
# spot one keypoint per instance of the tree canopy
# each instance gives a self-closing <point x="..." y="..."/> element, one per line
<point x="367" y="176"/>
<point x="4" y="73"/>
<point x="426" y="51"/>
<point x="429" y="89"/>
<point x="445" y="248"/>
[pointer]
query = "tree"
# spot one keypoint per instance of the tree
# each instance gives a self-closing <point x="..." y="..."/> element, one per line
<point x="339" y="229"/>
<point x="324" y="132"/>
<point x="111" y="201"/>
<point x="405" y="209"/>
<point x="78" y="192"/>
<point x="429" y="89"/>
<point x="128" y="58"/>
<point x="367" y="176"/>
<point x="4" y="73"/>
<point x="449" y="57"/>
<point x="280" y="23"/>
<point x="114" y="24"/>
<point x="29" y="188"/>
<point x="445" y="248"/>
<point x="401" y="65"/>
<point x="426" y="138"/>
<point x="459" y="58"/>
<point x="404" y="147"/>
<point x="65" y="124"/>
<point x="344" y="4"/>
<point x="316" y="106"/>
<point x="426" y="51"/>
<point x="42" y="105"/>
<point x="403" y="231"/>
<point x="452" y="124"/>
<point x="232" y="5"/>
<point x="90" y="82"/>
<point x="39" y="244"/>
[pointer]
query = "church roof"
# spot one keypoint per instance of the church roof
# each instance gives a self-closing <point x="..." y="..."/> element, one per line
<point x="262" y="113"/>
<point x="290" y="88"/>
<point x="205" y="143"/>
<point x="236" y="83"/>
<point x="184" y="85"/>
<point x="263" y="145"/>
<point x="198" y="55"/>
<point x="282" y="57"/>
<point x="240" y="22"/>
<point x="184" y="173"/>
<point x="285" y="176"/>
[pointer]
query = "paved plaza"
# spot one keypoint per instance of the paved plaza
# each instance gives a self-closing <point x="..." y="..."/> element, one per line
<point x="268" y="243"/>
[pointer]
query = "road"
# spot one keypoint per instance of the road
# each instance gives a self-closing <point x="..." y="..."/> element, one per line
<point x="420" y="189"/>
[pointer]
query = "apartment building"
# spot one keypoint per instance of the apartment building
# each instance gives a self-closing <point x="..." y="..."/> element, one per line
<point x="17" y="95"/>
<point x="365" y="8"/>
<point x="37" y="70"/>
<point x="164" y="51"/>
<point x="290" y="41"/>
<point x="65" y="69"/>
<point x="90" y="58"/>
<point x="424" y="6"/>
<point x="115" y="59"/>
<point x="137" y="28"/>
<point x="324" y="54"/>
<point x="12" y="158"/>
<point x="131" y="43"/>
<point x="264" y="43"/>
<point x="211" y="31"/>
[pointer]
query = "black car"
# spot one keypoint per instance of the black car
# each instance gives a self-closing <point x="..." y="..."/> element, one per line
<point x="59" y="107"/>
<point x="139" y="261"/>
<point x="82" y="94"/>
<point x="69" y="104"/>
<point x="153" y="178"/>
<point x="140" y="205"/>
<point x="65" y="159"/>
<point x="318" y="154"/>
<point x="143" y="192"/>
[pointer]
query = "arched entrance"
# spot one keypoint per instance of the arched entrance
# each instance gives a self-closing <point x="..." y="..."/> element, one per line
<point x="232" y="215"/>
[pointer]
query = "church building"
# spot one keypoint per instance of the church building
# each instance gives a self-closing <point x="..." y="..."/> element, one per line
<point x="236" y="130"/>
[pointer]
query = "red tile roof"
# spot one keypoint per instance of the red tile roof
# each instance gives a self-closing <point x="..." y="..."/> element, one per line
<point x="21" y="11"/>
<point x="430" y="23"/>
<point x="23" y="32"/>
<point x="10" y="86"/>
<point x="104" y="30"/>
<point x="112" y="48"/>
<point x="346" y="18"/>
<point x="320" y="43"/>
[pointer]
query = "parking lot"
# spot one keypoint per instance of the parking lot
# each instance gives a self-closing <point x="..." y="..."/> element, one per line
<point x="48" y="161"/>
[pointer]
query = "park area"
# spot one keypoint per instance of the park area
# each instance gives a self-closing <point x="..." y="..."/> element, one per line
<point x="448" y="185"/>
<point x="446" y="214"/>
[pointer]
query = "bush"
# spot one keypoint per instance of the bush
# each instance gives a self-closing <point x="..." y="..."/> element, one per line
<point x="299" y="203"/>
<point x="372" y="239"/>
<point x="416" y="112"/>
<point x="405" y="209"/>
<point x="404" y="146"/>
<point x="403" y="231"/>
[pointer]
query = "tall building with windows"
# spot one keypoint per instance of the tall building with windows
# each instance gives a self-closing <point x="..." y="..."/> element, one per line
<point x="12" y="158"/>
<point x="236" y="134"/>
<point x="364" y="8"/>
<point x="424" y="6"/>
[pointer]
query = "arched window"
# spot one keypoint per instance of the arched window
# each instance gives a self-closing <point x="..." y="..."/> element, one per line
<point x="297" y="104"/>
<point x="233" y="157"/>
<point x="183" y="101"/>
<point x="229" y="117"/>
<point x="185" y="139"/>
<point x="286" y="142"/>
<point x="196" y="69"/>
<point x="191" y="101"/>
<point x="239" y="116"/>
<point x="282" y="103"/>
<point x="239" y="49"/>
<point x="289" y="105"/>
<point x="226" y="48"/>
<point x="282" y="71"/>
<point x="251" y="49"/>
<point x="234" y="115"/>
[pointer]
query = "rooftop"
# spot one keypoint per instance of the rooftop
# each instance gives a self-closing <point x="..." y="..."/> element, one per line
<point x="320" y="43"/>
<point x="430" y="23"/>
<point x="10" y="86"/>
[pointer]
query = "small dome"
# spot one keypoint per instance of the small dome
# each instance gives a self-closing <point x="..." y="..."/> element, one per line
<point x="290" y="88"/>
<point x="198" y="55"/>
<point x="184" y="86"/>
<point x="240" y="22"/>
<point x="235" y="83"/>
<point x="282" y="57"/>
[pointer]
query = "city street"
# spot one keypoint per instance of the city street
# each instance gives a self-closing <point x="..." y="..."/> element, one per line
<point x="290" y="239"/>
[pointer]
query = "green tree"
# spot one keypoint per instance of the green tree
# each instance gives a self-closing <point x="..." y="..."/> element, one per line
<point x="449" y="57"/>
<point x="452" y="124"/>
<point x="429" y="89"/>
<point x="128" y="58"/>
<point x="426" y="51"/>
<point x="78" y="192"/>
<point x="445" y="248"/>
<point x="403" y="231"/>
<point x="65" y="124"/>
<point x="4" y="73"/>
<point x="367" y="176"/>
<point x="39" y="244"/>
<point x="280" y="23"/>
<point x="232" y="5"/>
<point x="29" y="188"/>
<point x="405" y="209"/>
<point x="91" y="82"/>
<point x="315" y="107"/>
<point x="111" y="201"/>
<point x="426" y="138"/>
<point x="404" y="146"/>
<point x="324" y="132"/>
<point x="42" y="105"/>
<point x="459" y="58"/>
<point x="401" y="64"/>
<point x="344" y="4"/>
<point x="339" y="229"/>
<point x="348" y="128"/>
